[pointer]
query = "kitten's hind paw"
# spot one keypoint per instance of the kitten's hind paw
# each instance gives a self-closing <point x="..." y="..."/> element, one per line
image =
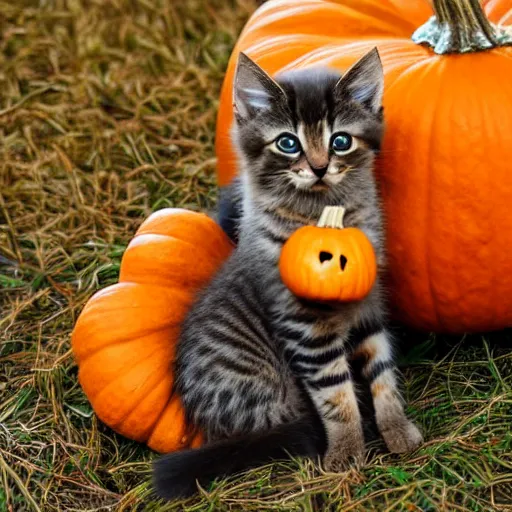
<point x="344" y="455"/>
<point x="402" y="436"/>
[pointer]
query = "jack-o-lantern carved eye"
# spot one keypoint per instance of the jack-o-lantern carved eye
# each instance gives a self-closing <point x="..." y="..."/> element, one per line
<point x="325" y="256"/>
<point x="314" y="262"/>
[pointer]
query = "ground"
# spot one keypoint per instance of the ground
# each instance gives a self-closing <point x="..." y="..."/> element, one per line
<point x="107" y="111"/>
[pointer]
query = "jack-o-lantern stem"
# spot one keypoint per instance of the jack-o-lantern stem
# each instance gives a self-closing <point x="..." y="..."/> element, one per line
<point x="332" y="217"/>
<point x="461" y="26"/>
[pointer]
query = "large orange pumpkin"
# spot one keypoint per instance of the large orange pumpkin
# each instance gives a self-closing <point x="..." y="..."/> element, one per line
<point x="124" y="340"/>
<point x="445" y="171"/>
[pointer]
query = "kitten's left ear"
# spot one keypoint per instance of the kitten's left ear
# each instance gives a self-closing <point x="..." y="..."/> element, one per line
<point x="254" y="90"/>
<point x="363" y="82"/>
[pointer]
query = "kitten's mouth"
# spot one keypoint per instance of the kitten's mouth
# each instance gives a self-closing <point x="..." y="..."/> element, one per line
<point x="319" y="186"/>
<point x="306" y="180"/>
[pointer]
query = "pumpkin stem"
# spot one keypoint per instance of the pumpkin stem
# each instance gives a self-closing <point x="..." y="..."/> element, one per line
<point x="332" y="217"/>
<point x="461" y="26"/>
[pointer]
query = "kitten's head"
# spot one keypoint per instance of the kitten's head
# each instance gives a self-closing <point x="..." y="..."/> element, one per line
<point x="308" y="138"/>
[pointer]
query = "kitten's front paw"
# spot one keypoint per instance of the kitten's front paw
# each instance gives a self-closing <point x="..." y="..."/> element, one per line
<point x="402" y="436"/>
<point x="343" y="454"/>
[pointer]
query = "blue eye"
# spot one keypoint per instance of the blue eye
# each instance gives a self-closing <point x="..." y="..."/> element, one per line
<point x="341" y="142"/>
<point x="288" y="144"/>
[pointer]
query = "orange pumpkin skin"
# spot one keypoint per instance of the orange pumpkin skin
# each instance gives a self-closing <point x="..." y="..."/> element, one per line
<point x="445" y="169"/>
<point x="307" y="276"/>
<point x="124" y="340"/>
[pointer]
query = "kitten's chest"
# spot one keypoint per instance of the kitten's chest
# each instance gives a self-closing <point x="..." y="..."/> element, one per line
<point x="310" y="336"/>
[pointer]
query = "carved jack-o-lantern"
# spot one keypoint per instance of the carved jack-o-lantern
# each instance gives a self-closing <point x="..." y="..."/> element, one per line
<point x="328" y="262"/>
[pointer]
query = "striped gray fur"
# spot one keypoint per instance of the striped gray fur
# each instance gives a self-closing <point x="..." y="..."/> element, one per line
<point x="252" y="355"/>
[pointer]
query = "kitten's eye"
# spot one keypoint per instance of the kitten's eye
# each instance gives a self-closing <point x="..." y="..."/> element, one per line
<point x="288" y="144"/>
<point x="342" y="142"/>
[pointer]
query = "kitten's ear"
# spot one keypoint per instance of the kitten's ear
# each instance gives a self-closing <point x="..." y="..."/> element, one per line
<point x="254" y="90"/>
<point x="363" y="82"/>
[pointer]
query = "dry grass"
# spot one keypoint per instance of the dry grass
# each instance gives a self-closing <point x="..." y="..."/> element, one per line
<point x="107" y="113"/>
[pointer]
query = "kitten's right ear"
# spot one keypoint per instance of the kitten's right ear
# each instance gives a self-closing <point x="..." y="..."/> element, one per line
<point x="254" y="90"/>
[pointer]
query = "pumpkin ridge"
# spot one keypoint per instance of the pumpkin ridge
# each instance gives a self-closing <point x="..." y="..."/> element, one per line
<point x="505" y="51"/>
<point x="429" y="173"/>
<point x="329" y="54"/>
<point x="132" y="284"/>
<point x="149" y="428"/>
<point x="203" y="225"/>
<point x="416" y="12"/>
<point x="187" y="432"/>
<point x="507" y="19"/>
<point x="455" y="268"/>
<point x="260" y="47"/>
<point x="379" y="14"/>
<point x="492" y="226"/>
<point x="496" y="10"/>
<point x="172" y="396"/>
<point x="106" y="389"/>
<point x="114" y="288"/>
<point x="209" y="248"/>
<point x="125" y="340"/>
<point x="213" y="248"/>
<point x="409" y="68"/>
<point x="132" y="270"/>
<point x="373" y="25"/>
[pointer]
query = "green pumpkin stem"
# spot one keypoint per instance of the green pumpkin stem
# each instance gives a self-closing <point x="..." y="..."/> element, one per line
<point x="461" y="26"/>
<point x="332" y="217"/>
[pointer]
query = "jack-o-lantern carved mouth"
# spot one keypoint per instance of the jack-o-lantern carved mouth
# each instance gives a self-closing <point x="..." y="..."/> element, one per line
<point x="327" y="256"/>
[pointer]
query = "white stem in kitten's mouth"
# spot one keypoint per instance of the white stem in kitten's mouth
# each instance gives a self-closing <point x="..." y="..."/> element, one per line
<point x="332" y="217"/>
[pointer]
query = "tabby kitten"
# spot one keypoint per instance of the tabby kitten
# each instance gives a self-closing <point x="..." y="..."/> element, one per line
<point x="264" y="374"/>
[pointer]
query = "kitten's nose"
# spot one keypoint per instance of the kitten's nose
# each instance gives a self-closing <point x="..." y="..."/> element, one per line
<point x="319" y="171"/>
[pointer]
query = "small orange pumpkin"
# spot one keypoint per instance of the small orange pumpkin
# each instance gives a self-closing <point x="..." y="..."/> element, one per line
<point x="445" y="171"/>
<point x="328" y="262"/>
<point x="124" y="340"/>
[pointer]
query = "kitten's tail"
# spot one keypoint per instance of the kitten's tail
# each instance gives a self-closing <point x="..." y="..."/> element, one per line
<point x="175" y="474"/>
